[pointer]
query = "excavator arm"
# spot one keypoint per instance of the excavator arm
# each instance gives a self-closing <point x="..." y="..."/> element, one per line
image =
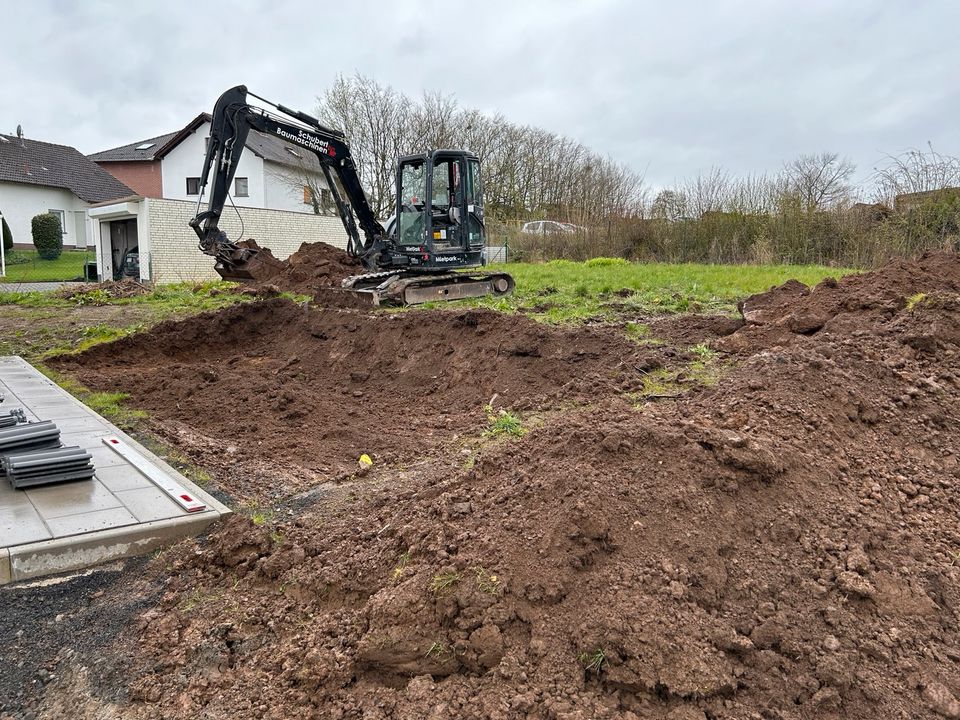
<point x="233" y="118"/>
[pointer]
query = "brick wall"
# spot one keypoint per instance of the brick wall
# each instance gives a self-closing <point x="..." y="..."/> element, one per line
<point x="173" y="252"/>
<point x="143" y="177"/>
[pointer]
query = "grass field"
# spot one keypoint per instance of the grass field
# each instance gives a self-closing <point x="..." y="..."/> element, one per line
<point x="562" y="291"/>
<point x="26" y="266"/>
<point x="559" y="291"/>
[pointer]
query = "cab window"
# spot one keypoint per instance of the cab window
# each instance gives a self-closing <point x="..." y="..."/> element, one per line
<point x="413" y="191"/>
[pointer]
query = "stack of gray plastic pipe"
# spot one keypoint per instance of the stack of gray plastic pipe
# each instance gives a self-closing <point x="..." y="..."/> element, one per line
<point x="30" y="455"/>
<point x="41" y="467"/>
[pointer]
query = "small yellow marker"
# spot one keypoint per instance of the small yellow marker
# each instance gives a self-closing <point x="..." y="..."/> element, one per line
<point x="365" y="460"/>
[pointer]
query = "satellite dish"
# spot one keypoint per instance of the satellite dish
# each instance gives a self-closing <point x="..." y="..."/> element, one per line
<point x="19" y="131"/>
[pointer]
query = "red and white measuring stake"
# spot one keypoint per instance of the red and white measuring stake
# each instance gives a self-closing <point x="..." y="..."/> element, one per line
<point x="175" y="490"/>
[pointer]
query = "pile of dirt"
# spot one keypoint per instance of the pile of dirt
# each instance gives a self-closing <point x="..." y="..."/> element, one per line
<point x="313" y="267"/>
<point x="781" y="546"/>
<point x="111" y="288"/>
<point x="309" y="389"/>
<point x="847" y="306"/>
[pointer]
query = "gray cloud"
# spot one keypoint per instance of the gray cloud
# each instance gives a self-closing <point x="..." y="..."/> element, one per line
<point x="669" y="90"/>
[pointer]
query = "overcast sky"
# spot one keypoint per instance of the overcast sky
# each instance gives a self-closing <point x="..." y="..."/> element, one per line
<point x="667" y="88"/>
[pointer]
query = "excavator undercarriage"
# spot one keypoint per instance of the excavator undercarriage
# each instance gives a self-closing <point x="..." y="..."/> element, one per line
<point x="405" y="288"/>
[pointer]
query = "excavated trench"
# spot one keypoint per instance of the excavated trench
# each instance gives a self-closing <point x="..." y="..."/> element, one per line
<point x="307" y="389"/>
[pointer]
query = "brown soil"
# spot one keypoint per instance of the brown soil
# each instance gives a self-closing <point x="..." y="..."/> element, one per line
<point x="278" y="396"/>
<point x="782" y="545"/>
<point x="313" y="267"/>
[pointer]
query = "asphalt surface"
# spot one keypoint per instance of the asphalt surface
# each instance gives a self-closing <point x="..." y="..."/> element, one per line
<point x="82" y="612"/>
<point x="36" y="286"/>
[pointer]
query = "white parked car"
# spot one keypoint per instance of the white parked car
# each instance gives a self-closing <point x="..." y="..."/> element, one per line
<point x="550" y="227"/>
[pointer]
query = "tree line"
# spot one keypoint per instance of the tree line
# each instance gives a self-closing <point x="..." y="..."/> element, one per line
<point x="528" y="172"/>
<point x="810" y="211"/>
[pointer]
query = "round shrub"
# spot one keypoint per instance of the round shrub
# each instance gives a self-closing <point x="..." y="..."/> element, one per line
<point x="47" y="236"/>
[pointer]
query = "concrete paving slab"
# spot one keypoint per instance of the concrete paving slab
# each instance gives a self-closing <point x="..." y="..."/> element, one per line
<point x="122" y="477"/>
<point x="72" y="498"/>
<point x="67" y="411"/>
<point x="88" y="439"/>
<point x="71" y="424"/>
<point x="21" y="523"/>
<point x="122" y="511"/>
<point x="105" y="457"/>
<point x="88" y="522"/>
<point x="149" y="503"/>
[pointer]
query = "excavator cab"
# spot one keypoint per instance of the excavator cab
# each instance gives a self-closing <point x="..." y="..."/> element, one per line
<point x="440" y="210"/>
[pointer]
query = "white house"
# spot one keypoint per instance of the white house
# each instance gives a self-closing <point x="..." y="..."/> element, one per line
<point x="271" y="173"/>
<point x="38" y="177"/>
<point x="274" y="191"/>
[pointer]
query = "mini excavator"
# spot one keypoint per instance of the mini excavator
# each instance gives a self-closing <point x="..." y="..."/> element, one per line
<point x="437" y="231"/>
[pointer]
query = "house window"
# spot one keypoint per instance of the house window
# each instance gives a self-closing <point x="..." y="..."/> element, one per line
<point x="193" y="186"/>
<point x="241" y="187"/>
<point x="61" y="218"/>
<point x="325" y="206"/>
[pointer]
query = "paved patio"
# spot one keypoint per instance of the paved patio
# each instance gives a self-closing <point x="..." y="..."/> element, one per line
<point x="134" y="504"/>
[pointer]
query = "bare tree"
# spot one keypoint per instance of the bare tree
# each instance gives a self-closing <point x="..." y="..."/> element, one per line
<point x="376" y="120"/>
<point x="820" y="181"/>
<point x="669" y="205"/>
<point x="707" y="192"/>
<point x="916" y="171"/>
<point x="755" y="194"/>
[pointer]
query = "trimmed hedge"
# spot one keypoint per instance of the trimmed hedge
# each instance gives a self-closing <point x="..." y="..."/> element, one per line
<point x="47" y="236"/>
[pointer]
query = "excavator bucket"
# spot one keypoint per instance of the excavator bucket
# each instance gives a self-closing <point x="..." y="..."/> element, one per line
<point x="247" y="262"/>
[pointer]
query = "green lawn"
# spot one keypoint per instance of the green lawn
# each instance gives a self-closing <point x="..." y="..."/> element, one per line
<point x="26" y="266"/>
<point x="561" y="290"/>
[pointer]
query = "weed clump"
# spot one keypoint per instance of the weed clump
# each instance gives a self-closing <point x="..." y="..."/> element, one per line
<point x="443" y="582"/>
<point x="593" y="661"/>
<point x="606" y="262"/>
<point x="503" y="422"/>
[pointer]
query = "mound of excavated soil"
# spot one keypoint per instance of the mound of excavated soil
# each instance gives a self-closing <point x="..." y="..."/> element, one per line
<point x="848" y="305"/>
<point x="275" y="388"/>
<point x="315" y="266"/>
<point x="783" y="545"/>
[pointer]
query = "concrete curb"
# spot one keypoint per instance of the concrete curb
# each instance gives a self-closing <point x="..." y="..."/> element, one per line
<point x="82" y="551"/>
